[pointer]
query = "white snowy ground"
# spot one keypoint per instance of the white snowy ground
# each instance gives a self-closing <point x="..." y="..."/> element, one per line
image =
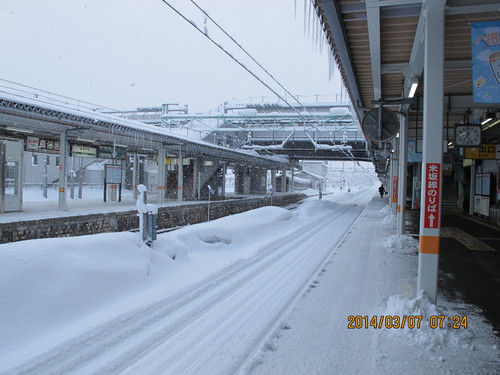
<point x="264" y="292"/>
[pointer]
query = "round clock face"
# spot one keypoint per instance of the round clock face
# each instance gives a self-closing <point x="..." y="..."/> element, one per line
<point x="468" y="135"/>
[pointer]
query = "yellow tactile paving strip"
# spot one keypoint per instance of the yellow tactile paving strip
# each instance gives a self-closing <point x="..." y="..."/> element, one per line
<point x="466" y="239"/>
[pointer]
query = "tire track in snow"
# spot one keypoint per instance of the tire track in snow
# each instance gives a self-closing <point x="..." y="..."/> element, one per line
<point x="198" y="327"/>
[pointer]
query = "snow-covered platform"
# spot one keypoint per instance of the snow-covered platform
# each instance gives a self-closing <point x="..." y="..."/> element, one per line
<point x="268" y="291"/>
<point x="92" y="216"/>
<point x="373" y="274"/>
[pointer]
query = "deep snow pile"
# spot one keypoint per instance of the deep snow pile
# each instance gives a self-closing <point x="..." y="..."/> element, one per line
<point x="54" y="288"/>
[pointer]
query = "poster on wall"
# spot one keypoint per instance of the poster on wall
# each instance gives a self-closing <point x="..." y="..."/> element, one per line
<point x="498" y="186"/>
<point x="485" y="38"/>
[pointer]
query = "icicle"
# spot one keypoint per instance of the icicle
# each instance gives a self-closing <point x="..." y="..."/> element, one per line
<point x="305" y="17"/>
<point x="205" y="28"/>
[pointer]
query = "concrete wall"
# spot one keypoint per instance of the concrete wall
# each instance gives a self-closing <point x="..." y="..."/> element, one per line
<point x="168" y="217"/>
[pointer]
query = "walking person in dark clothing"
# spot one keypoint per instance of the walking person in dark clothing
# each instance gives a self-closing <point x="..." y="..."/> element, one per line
<point x="381" y="190"/>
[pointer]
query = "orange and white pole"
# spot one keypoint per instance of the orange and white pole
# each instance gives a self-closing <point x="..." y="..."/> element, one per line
<point x="432" y="158"/>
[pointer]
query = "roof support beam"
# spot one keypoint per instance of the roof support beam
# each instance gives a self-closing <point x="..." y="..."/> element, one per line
<point x="373" y="17"/>
<point x="416" y="63"/>
<point x="472" y="9"/>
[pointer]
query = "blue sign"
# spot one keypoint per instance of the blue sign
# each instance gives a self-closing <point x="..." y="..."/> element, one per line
<point x="486" y="61"/>
<point x="413" y="155"/>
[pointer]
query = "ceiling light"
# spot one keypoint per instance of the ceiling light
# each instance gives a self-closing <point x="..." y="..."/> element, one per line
<point x="19" y="130"/>
<point x="491" y="124"/>
<point x="413" y="88"/>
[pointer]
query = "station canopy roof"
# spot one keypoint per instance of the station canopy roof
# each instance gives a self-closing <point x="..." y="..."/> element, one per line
<point x="379" y="48"/>
<point x="36" y="114"/>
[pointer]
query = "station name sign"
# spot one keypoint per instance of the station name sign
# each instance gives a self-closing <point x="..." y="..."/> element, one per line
<point x="37" y="144"/>
<point x="83" y="151"/>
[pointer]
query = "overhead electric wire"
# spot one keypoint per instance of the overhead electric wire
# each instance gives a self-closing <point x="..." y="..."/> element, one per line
<point x="236" y="60"/>
<point x="239" y="62"/>
<point x="251" y="57"/>
<point x="260" y="65"/>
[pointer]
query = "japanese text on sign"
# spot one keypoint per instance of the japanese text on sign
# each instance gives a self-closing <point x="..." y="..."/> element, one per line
<point x="36" y="144"/>
<point x="486" y="151"/>
<point x="394" y="195"/>
<point x="432" y="194"/>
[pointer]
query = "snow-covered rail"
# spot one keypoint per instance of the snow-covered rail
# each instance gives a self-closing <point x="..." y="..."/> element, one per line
<point x="213" y="327"/>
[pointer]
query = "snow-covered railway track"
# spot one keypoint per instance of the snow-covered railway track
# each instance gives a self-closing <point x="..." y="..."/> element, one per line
<point x="213" y="326"/>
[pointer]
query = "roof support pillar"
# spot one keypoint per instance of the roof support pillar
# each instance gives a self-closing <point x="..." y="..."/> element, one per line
<point x="432" y="158"/>
<point x="135" y="175"/>
<point x="160" y="188"/>
<point x="472" y="190"/>
<point x="283" y="180"/>
<point x="403" y="150"/>
<point x="63" y="173"/>
<point x="394" y="178"/>
<point x="224" y="172"/>
<point x="180" y="176"/>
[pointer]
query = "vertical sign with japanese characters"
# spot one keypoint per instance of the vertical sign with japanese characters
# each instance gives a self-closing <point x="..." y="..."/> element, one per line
<point x="432" y="195"/>
<point x="394" y="194"/>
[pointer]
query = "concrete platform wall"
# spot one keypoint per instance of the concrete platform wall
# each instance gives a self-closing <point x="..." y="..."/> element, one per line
<point x="168" y="217"/>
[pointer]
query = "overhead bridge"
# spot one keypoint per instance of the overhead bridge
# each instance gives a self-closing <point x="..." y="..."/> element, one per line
<point x="325" y="131"/>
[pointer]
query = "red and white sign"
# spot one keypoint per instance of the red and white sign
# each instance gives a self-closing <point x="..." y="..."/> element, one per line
<point x="432" y="195"/>
<point x="395" y="189"/>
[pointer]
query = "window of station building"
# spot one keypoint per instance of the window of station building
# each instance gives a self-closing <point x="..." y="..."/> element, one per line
<point x="57" y="161"/>
<point x="34" y="159"/>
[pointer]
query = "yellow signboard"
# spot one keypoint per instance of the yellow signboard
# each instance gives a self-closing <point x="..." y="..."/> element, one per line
<point x="488" y="151"/>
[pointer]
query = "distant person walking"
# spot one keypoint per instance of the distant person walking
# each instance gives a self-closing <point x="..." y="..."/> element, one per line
<point x="381" y="191"/>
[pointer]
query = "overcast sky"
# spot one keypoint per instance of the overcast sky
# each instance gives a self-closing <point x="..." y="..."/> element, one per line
<point x="126" y="54"/>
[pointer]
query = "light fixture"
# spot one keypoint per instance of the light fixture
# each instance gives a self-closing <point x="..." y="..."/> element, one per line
<point x="19" y="130"/>
<point x="487" y="120"/>
<point x="413" y="87"/>
<point x="491" y="124"/>
<point x="86" y="140"/>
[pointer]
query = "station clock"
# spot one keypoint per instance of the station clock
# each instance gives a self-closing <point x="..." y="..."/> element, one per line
<point x="468" y="135"/>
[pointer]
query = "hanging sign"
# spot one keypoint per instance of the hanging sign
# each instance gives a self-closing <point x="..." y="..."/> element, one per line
<point x="485" y="38"/>
<point x="432" y="195"/>
<point x="83" y="151"/>
<point x="486" y="151"/>
<point x="36" y="144"/>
